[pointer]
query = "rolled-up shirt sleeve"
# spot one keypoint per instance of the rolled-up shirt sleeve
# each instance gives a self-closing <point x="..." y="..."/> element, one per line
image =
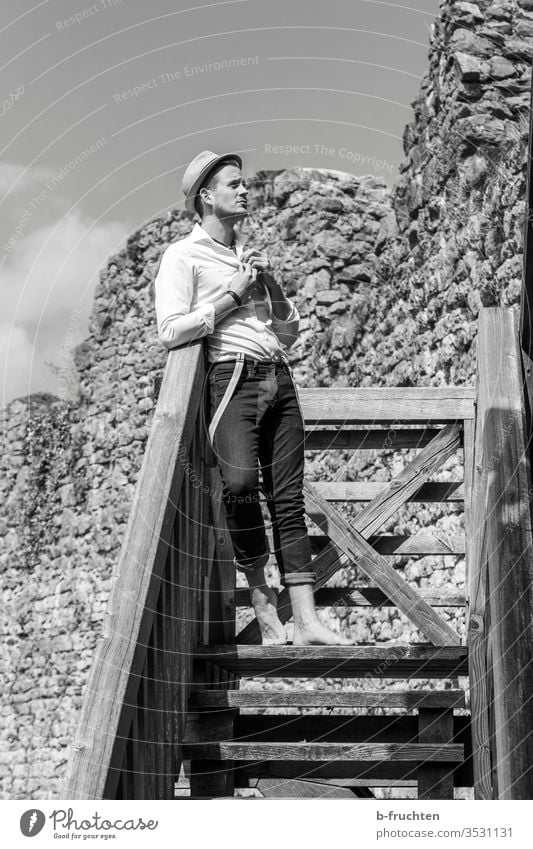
<point x="287" y="329"/>
<point x="174" y="293"/>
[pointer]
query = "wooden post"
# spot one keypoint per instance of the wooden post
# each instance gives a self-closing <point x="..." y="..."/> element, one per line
<point x="506" y="549"/>
<point x="435" y="780"/>
<point x="476" y="591"/>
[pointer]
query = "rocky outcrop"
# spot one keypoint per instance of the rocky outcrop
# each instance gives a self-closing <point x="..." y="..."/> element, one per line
<point x="454" y="240"/>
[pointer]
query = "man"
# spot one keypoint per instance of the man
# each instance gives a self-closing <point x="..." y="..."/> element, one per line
<point x="208" y="285"/>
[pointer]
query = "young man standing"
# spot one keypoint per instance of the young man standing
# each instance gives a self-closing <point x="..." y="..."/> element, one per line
<point x="207" y="285"/>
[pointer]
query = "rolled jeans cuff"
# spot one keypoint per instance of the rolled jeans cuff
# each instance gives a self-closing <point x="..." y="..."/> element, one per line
<point x="291" y="579"/>
<point x="258" y="563"/>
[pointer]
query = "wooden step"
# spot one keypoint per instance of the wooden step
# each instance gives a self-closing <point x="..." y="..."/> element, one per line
<point x="353" y="783"/>
<point x="391" y="661"/>
<point x="274" y="788"/>
<point x="324" y="752"/>
<point x="402" y="699"/>
<point x="368" y="773"/>
<point x="216" y="725"/>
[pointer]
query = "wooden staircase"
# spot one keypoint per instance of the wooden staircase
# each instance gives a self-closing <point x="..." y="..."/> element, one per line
<point x="171" y="690"/>
<point x="228" y="748"/>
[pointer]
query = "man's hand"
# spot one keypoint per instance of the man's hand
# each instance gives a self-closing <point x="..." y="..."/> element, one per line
<point x="261" y="263"/>
<point x="256" y="259"/>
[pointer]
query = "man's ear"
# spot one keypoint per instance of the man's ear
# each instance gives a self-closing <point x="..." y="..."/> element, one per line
<point x="204" y="194"/>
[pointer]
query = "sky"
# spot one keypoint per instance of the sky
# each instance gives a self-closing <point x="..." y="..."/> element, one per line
<point x="103" y="104"/>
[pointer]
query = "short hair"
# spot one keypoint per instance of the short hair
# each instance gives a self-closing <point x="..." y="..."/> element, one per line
<point x="210" y="182"/>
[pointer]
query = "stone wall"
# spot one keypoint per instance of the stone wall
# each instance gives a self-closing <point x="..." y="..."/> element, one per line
<point x="454" y="240"/>
<point x="389" y="289"/>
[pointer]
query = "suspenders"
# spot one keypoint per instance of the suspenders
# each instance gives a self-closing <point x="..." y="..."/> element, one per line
<point x="227" y="395"/>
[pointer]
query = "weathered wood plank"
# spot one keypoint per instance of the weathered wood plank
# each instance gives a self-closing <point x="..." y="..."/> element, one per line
<point x="275" y="788"/>
<point x="420" y="404"/>
<point x="193" y="554"/>
<point x="404" y="546"/>
<point x="164" y="781"/>
<point x="206" y="782"/>
<point x="98" y="747"/>
<point x="404" y="699"/>
<point x="507" y="550"/>
<point x="373" y="597"/>
<point x="361" y="782"/>
<point x="151" y="765"/>
<point x="391" y="438"/>
<point x="360" y="491"/>
<point x="137" y="743"/>
<point x="219" y="626"/>
<point x="354" y="546"/>
<point x="363" y="596"/>
<point x="435" y="726"/>
<point x="358" y="773"/>
<point x="397" y="661"/>
<point x="369" y="773"/>
<point x="476" y="580"/>
<point x="239" y="751"/>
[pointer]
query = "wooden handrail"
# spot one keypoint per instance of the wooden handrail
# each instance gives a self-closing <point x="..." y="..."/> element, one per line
<point x="385" y="404"/>
<point x="501" y="570"/>
<point x="131" y="650"/>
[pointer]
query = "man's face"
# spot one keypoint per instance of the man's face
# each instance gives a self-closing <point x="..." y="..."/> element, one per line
<point x="228" y="196"/>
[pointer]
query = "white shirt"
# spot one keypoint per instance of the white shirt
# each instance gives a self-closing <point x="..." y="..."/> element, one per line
<point x="193" y="272"/>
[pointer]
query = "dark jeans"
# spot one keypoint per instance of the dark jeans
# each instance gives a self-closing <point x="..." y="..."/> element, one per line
<point x="262" y="422"/>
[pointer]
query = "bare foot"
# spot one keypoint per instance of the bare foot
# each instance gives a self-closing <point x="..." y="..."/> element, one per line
<point x="264" y="601"/>
<point x="316" y="634"/>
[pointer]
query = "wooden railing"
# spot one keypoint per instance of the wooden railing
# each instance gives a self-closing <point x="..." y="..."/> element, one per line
<point x="173" y="587"/>
<point x="500" y="558"/>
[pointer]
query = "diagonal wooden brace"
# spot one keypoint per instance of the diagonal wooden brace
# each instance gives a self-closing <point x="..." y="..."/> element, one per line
<point x="381" y="573"/>
<point x="376" y="513"/>
<point x="396" y="493"/>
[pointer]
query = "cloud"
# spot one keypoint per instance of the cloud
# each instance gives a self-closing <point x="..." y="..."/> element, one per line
<point x="46" y="287"/>
<point x="19" y="178"/>
<point x="16" y="355"/>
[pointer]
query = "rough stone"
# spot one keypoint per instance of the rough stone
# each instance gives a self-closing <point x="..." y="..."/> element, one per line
<point x="466" y="41"/>
<point x="469" y="68"/>
<point x="500" y="68"/>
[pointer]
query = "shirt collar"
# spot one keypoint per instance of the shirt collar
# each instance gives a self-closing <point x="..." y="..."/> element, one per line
<point x="198" y="234"/>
